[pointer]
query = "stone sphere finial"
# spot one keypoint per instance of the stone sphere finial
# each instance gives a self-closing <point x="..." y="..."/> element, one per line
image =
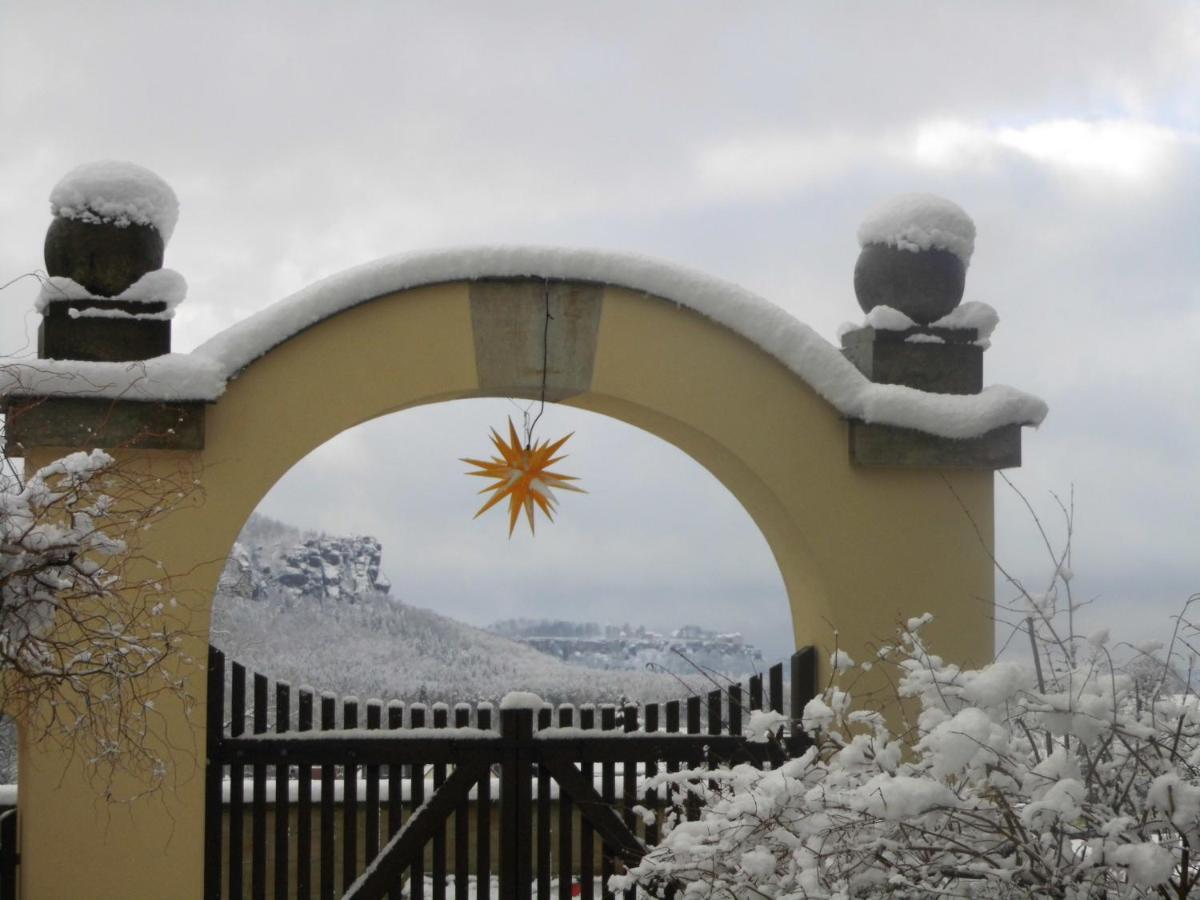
<point x="111" y="224"/>
<point x="915" y="253"/>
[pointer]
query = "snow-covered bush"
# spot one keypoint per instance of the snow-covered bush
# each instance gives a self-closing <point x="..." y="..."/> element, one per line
<point x="86" y="622"/>
<point x="1064" y="774"/>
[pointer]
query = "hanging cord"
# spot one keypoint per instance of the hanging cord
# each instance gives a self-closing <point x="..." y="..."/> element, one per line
<point x="545" y="360"/>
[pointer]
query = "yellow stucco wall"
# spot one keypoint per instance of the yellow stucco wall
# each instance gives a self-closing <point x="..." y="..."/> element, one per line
<point x="857" y="548"/>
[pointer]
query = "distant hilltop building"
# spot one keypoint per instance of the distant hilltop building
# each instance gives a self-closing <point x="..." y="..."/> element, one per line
<point x="627" y="647"/>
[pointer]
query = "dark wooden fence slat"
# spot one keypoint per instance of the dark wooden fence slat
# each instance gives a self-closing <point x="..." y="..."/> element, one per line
<point x="608" y="793"/>
<point x="516" y="776"/>
<point x="462" y="823"/>
<point x="328" y="775"/>
<point x="692" y="805"/>
<point x="483" y="817"/>
<point x="395" y="719"/>
<point x="587" y="843"/>
<point x="804" y="688"/>
<point x="349" y="802"/>
<point x="237" y="774"/>
<point x="283" y="721"/>
<point x="214" y="772"/>
<point x="416" y="790"/>
<point x="258" y="809"/>
<point x="409" y="841"/>
<point x="735" y="709"/>
<point x="304" y="722"/>
<point x="566" y="843"/>
<point x="629" y="775"/>
<point x="545" y="719"/>
<point x="441" y="716"/>
<point x="672" y="727"/>
<point x="651" y="794"/>
<point x="756" y="692"/>
<point x="371" y="813"/>
<point x="775" y="688"/>
<point x="716" y="723"/>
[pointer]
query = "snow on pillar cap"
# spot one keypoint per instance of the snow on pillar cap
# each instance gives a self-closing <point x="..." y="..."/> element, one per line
<point x="118" y="193"/>
<point x="917" y="222"/>
<point x="915" y="252"/>
<point x="111" y="224"/>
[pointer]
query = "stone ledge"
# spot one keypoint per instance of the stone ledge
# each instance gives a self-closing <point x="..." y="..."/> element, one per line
<point x="93" y="422"/>
<point x="888" y="445"/>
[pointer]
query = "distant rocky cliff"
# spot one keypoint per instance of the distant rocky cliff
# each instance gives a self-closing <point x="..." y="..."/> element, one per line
<point x="268" y="558"/>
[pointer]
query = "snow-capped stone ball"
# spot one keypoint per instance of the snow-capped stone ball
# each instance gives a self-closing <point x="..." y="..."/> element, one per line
<point x="915" y="253"/>
<point x="112" y="221"/>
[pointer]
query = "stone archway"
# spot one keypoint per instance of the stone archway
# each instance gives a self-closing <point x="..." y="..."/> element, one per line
<point x="773" y="412"/>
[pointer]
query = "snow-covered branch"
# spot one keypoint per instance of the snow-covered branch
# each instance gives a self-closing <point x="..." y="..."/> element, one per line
<point x="86" y="622"/>
<point x="1067" y="775"/>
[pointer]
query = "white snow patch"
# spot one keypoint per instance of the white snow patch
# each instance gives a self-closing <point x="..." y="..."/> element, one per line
<point x="840" y="661"/>
<point x="176" y="376"/>
<point x="920" y="338"/>
<point x="764" y="723"/>
<point x="972" y="314"/>
<point x="160" y="286"/>
<point x="117" y="314"/>
<point x="920" y="222"/>
<point x="887" y="318"/>
<point x="845" y="328"/>
<point x="1148" y="864"/>
<point x="794" y="344"/>
<point x="521" y="700"/>
<point x="120" y="193"/>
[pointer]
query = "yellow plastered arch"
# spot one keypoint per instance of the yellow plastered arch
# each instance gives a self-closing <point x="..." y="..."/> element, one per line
<point x="857" y="548"/>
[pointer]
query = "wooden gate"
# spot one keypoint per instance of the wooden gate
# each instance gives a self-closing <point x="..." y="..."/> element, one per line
<point x="509" y="803"/>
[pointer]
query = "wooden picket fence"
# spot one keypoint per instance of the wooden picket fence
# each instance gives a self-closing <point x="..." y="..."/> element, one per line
<point x="312" y="796"/>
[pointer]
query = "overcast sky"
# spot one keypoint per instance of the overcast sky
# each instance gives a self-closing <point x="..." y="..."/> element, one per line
<point x="745" y="140"/>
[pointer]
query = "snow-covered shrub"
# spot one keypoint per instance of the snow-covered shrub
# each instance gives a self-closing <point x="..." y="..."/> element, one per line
<point x="1065" y="774"/>
<point x="86" y="623"/>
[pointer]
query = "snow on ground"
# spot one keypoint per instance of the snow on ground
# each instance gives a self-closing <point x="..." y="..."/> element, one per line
<point x="203" y="374"/>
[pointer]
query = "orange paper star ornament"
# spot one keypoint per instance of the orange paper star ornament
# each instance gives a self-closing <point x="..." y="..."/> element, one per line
<point x="523" y="475"/>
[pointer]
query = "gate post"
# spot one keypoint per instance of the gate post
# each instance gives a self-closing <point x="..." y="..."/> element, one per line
<point x="516" y="803"/>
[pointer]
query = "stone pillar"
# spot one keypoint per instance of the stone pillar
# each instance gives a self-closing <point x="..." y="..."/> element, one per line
<point x="909" y="279"/>
<point x="99" y="244"/>
<point x="108" y="300"/>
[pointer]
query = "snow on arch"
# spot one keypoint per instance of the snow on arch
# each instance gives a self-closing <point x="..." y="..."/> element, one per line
<point x="796" y="345"/>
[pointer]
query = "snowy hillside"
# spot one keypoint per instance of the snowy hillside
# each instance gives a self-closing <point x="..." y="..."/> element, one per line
<point x="284" y="608"/>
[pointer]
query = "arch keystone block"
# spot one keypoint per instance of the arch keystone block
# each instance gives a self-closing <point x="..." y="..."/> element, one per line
<point x="513" y="337"/>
